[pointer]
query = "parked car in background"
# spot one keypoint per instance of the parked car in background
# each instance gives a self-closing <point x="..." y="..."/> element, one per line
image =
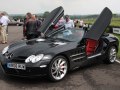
<point x="15" y="23"/>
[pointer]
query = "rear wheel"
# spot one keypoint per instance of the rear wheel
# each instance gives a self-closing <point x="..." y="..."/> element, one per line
<point x="58" y="68"/>
<point x="111" y="55"/>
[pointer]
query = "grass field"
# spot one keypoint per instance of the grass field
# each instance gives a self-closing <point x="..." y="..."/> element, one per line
<point x="114" y="22"/>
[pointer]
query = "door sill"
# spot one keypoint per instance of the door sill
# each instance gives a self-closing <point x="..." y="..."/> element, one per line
<point x="93" y="56"/>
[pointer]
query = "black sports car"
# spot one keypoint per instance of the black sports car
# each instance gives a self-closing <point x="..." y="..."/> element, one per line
<point x="60" y="50"/>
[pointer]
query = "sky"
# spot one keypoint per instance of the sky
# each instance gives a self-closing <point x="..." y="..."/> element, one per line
<point x="71" y="7"/>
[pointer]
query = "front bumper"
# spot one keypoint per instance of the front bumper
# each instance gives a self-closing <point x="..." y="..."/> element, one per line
<point x="31" y="70"/>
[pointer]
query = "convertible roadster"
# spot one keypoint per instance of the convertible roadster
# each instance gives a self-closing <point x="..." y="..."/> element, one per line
<point x="61" y="50"/>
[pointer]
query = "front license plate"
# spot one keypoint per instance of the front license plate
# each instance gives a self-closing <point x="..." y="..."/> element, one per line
<point x="16" y="66"/>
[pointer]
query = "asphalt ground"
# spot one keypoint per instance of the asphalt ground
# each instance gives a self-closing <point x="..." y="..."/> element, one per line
<point x="95" y="76"/>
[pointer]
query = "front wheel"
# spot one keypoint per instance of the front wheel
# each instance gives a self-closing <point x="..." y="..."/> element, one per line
<point x="111" y="55"/>
<point x="58" y="68"/>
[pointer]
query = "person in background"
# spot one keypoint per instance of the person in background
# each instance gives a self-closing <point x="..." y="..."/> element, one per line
<point x="39" y="21"/>
<point x="85" y="27"/>
<point x="31" y="26"/>
<point x="77" y="24"/>
<point x="24" y="28"/>
<point x="0" y="30"/>
<point x="68" y="22"/>
<point x="7" y="30"/>
<point x="81" y="23"/>
<point x="18" y="21"/>
<point x="38" y="24"/>
<point x="59" y="23"/>
<point x="4" y="20"/>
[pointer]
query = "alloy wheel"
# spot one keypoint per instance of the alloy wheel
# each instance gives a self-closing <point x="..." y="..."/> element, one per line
<point x="59" y="68"/>
<point x="113" y="55"/>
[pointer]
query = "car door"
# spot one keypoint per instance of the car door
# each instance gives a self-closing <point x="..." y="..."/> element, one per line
<point x="100" y="25"/>
<point x="93" y="36"/>
<point x="51" y="19"/>
<point x="78" y="56"/>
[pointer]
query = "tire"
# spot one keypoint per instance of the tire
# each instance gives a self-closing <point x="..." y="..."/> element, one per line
<point x="58" y="68"/>
<point x="111" y="55"/>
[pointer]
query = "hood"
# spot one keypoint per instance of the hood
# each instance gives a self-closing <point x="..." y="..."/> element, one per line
<point x="52" y="19"/>
<point x="32" y="47"/>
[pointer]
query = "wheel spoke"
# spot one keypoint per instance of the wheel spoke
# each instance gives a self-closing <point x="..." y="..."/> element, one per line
<point x="59" y="62"/>
<point x="110" y="58"/>
<point x="62" y="71"/>
<point x="55" y="72"/>
<point x="60" y="74"/>
<point x="114" y="53"/>
<point x="63" y="62"/>
<point x="55" y="63"/>
<point x="53" y="67"/>
<point x="63" y="67"/>
<point x="113" y="50"/>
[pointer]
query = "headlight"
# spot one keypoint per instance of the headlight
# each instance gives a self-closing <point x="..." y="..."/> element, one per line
<point x="5" y="50"/>
<point x="34" y="58"/>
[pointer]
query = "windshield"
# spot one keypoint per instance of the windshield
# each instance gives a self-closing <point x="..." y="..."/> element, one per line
<point x="69" y="34"/>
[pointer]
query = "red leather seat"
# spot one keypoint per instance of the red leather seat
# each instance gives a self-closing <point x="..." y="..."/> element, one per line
<point x="91" y="46"/>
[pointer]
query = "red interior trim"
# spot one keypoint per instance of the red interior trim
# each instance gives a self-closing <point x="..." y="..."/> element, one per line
<point x="91" y="46"/>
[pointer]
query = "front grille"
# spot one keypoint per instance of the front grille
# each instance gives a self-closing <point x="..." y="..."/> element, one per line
<point x="20" y="59"/>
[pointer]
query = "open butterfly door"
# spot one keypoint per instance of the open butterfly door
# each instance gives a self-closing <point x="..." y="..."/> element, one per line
<point x="53" y="17"/>
<point x="96" y="31"/>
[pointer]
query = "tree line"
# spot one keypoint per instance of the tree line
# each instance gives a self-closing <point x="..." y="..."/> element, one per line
<point x="22" y="16"/>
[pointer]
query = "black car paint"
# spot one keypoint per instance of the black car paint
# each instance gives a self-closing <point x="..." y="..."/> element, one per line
<point x="49" y="48"/>
<point x="21" y="53"/>
<point x="53" y="18"/>
<point x="100" y="25"/>
<point x="75" y="53"/>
